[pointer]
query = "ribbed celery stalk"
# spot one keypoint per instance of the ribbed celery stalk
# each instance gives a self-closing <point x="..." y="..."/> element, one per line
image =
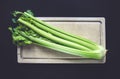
<point x="52" y="37"/>
<point x="63" y="36"/>
<point x="65" y="49"/>
<point x="59" y="30"/>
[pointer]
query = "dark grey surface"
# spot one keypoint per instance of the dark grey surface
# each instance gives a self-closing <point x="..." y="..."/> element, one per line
<point x="57" y="8"/>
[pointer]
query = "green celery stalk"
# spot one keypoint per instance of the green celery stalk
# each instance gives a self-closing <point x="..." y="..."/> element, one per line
<point x="59" y="30"/>
<point x="51" y="37"/>
<point x="63" y="36"/>
<point x="87" y="54"/>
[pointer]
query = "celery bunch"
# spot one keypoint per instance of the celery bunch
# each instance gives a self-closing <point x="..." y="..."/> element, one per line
<point x="31" y="30"/>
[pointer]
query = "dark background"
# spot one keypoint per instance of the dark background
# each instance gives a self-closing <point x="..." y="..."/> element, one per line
<point x="60" y="8"/>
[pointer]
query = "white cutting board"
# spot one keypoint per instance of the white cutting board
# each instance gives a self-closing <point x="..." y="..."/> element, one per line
<point x="92" y="28"/>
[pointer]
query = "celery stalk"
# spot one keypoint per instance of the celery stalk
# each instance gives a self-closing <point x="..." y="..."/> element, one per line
<point x="65" y="49"/>
<point x="51" y="37"/>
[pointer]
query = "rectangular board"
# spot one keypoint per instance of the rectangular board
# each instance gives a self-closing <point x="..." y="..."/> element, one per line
<point x="92" y="28"/>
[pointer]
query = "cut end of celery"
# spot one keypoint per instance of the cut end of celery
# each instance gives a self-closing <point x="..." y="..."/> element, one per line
<point x="101" y="52"/>
<point x="95" y="54"/>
